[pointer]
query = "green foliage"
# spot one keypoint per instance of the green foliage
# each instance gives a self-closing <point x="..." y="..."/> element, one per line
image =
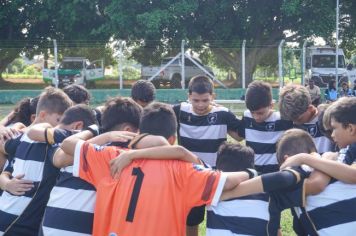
<point x="31" y="70"/>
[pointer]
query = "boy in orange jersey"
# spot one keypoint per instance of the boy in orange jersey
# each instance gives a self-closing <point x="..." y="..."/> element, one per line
<point x="151" y="197"/>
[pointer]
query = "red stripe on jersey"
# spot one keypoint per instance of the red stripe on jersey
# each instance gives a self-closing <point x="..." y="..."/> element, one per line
<point x="208" y="187"/>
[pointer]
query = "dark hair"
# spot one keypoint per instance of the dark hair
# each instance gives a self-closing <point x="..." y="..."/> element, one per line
<point x="79" y="112"/>
<point x="77" y="93"/>
<point x="258" y="95"/>
<point x="158" y="119"/>
<point x="343" y="111"/>
<point x="234" y="157"/>
<point x="331" y="84"/>
<point x="292" y="142"/>
<point x="120" y="110"/>
<point x="21" y="113"/>
<point x="144" y="91"/>
<point x="200" y="84"/>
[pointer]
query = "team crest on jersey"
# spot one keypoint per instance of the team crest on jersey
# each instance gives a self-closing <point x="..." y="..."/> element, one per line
<point x="112" y="234"/>
<point x="212" y="118"/>
<point x="270" y="126"/>
<point x="199" y="167"/>
<point x="312" y="130"/>
<point x="98" y="148"/>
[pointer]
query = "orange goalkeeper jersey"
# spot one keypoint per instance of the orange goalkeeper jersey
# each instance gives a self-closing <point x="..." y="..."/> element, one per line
<point x="151" y="197"/>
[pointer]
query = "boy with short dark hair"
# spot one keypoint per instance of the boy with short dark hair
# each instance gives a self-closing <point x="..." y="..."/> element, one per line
<point x="202" y="127"/>
<point x="295" y="104"/>
<point x="77" y="93"/>
<point x="242" y="216"/>
<point x="21" y="215"/>
<point x="262" y="126"/>
<point x="143" y="92"/>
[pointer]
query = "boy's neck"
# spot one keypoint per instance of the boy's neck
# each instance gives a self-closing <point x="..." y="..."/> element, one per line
<point x="313" y="113"/>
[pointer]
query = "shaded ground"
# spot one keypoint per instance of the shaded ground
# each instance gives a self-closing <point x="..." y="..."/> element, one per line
<point x="39" y="84"/>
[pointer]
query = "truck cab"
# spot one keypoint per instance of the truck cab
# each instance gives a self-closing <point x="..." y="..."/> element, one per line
<point x="172" y="74"/>
<point x="75" y="70"/>
<point x="320" y="64"/>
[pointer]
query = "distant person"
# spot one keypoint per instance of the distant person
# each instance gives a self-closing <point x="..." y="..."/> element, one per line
<point x="314" y="92"/>
<point x="143" y="92"/>
<point x="77" y="93"/>
<point x="331" y="92"/>
<point x="345" y="91"/>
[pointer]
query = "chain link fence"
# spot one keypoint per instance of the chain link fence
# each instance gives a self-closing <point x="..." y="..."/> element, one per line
<point x="120" y="63"/>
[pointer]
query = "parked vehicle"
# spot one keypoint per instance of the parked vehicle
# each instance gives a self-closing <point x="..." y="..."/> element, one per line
<point x="320" y="64"/>
<point x="75" y="70"/>
<point x="172" y="74"/>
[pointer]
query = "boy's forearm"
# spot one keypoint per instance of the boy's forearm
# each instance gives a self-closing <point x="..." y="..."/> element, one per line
<point x="37" y="132"/>
<point x="101" y="139"/>
<point x="316" y="182"/>
<point x="334" y="169"/>
<point x="68" y="145"/>
<point x="61" y="159"/>
<point x="264" y="183"/>
<point x="248" y="187"/>
<point x="165" y="153"/>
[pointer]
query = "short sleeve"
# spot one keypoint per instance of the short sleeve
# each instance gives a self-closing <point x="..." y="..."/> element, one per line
<point x="203" y="185"/>
<point x="233" y="123"/>
<point x="91" y="161"/>
<point x="60" y="134"/>
<point x="11" y="146"/>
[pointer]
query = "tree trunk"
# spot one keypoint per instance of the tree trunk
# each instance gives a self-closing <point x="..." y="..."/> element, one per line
<point x="6" y="57"/>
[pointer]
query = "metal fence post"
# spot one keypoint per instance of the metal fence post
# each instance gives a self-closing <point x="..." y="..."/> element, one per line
<point x="55" y="62"/>
<point x="337" y="45"/>
<point x="303" y="62"/>
<point x="183" y="64"/>
<point x="243" y="58"/>
<point x="120" y="57"/>
<point x="280" y="63"/>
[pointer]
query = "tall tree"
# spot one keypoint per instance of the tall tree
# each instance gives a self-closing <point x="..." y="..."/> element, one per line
<point x="221" y="25"/>
<point x="29" y="27"/>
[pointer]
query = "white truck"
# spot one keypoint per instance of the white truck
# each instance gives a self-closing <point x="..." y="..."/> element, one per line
<point x="173" y="73"/>
<point x="75" y="70"/>
<point x="320" y="65"/>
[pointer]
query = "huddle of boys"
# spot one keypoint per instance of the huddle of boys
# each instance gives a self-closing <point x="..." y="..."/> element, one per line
<point x="67" y="213"/>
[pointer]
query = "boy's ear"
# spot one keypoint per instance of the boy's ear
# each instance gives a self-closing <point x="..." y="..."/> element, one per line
<point x="285" y="157"/>
<point x="352" y="128"/>
<point x="172" y="139"/>
<point x="213" y="95"/>
<point x="77" y="125"/>
<point x="33" y="117"/>
<point x="42" y="115"/>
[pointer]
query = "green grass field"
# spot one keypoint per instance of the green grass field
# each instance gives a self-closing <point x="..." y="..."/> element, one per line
<point x="286" y="221"/>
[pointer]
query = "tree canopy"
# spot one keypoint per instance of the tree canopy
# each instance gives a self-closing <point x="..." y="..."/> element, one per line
<point x="156" y="27"/>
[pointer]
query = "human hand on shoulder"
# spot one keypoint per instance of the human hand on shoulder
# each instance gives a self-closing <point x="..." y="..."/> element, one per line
<point x="7" y="133"/>
<point x="120" y="162"/>
<point x="120" y="136"/>
<point x="296" y="160"/>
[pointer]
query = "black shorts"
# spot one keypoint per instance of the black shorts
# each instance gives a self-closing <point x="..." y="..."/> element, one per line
<point x="196" y="216"/>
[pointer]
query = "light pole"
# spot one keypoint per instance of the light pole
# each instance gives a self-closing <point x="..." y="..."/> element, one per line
<point x="337" y="45"/>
